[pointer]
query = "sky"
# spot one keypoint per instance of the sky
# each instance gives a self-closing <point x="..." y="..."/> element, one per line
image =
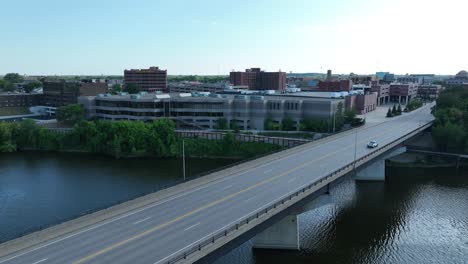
<point x="211" y="37"/>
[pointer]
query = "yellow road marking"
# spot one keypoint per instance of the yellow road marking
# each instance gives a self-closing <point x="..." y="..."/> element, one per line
<point x="158" y="227"/>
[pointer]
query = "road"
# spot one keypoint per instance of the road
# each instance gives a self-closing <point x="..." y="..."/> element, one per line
<point x="160" y="230"/>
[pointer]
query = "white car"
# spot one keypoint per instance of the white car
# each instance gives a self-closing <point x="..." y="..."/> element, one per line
<point x="372" y="144"/>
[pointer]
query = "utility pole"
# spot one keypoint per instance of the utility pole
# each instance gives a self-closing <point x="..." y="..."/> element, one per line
<point x="355" y="151"/>
<point x="183" y="156"/>
<point x="334" y="117"/>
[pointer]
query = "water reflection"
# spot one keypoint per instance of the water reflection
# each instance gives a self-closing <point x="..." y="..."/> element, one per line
<point x="417" y="216"/>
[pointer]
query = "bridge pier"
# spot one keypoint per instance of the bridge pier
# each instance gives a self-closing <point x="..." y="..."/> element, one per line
<point x="284" y="235"/>
<point x="375" y="170"/>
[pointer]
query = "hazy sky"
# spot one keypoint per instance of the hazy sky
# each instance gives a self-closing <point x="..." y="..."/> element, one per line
<point x="216" y="36"/>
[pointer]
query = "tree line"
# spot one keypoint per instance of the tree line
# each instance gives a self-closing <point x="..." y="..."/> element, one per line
<point x="450" y="130"/>
<point x="122" y="139"/>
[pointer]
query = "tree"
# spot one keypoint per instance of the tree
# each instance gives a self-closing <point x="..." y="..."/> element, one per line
<point x="389" y="113"/>
<point x="339" y="118"/>
<point x="399" y="110"/>
<point x="116" y="88"/>
<point x="221" y="124"/>
<point x="13" y="78"/>
<point x="270" y="124"/>
<point x="70" y="114"/>
<point x="132" y="88"/>
<point x="287" y="124"/>
<point x="8" y="87"/>
<point x="234" y="126"/>
<point x="31" y="86"/>
<point x="350" y="115"/>
<point x="394" y="110"/>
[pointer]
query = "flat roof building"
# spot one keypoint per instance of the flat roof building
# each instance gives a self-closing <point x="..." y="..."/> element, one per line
<point x="202" y="112"/>
<point x="256" y="79"/>
<point x="59" y="93"/>
<point x="150" y="80"/>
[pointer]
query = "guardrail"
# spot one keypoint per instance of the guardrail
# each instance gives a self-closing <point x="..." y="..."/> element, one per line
<point x="282" y="203"/>
<point x="211" y="135"/>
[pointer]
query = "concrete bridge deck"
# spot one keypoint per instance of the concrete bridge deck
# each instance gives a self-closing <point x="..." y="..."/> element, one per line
<point x="188" y="221"/>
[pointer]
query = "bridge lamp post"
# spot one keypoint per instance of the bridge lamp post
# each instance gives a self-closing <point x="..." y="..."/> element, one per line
<point x="183" y="157"/>
<point x="355" y="151"/>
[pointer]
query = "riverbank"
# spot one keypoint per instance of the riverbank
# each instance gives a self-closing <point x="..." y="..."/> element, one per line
<point x="124" y="139"/>
<point x="419" y="160"/>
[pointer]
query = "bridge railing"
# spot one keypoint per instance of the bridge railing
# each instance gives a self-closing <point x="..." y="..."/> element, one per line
<point x="283" y="201"/>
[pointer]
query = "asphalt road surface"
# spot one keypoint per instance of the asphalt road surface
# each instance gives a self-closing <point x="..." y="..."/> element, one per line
<point x="159" y="231"/>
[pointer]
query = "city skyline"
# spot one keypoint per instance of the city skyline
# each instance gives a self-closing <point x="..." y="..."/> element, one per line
<point x="215" y="37"/>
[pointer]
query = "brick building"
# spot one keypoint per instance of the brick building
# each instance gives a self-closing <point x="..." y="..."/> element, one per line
<point x="58" y="93"/>
<point x="403" y="93"/>
<point x="382" y="90"/>
<point x="335" y="86"/>
<point x="429" y="92"/>
<point x="150" y="80"/>
<point x="20" y="100"/>
<point x="256" y="79"/>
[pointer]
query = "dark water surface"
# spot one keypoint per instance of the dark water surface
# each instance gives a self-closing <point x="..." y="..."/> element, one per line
<point x="416" y="216"/>
<point x="42" y="189"/>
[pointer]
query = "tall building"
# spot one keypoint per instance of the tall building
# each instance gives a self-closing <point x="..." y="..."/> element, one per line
<point x="150" y="80"/>
<point x="58" y="93"/>
<point x="256" y="79"/>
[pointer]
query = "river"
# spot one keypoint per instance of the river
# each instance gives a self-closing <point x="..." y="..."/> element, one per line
<point x="42" y="189"/>
<point x="416" y="216"/>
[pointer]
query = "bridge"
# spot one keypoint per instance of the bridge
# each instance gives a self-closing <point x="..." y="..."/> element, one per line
<point x="189" y="221"/>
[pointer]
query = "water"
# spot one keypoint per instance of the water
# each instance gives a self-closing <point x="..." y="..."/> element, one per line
<point x="417" y="216"/>
<point x="42" y="189"/>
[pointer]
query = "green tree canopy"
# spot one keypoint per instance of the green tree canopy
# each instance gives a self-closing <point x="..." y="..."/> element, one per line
<point x="287" y="124"/>
<point x="132" y="88"/>
<point x="70" y="114"/>
<point x="221" y="124"/>
<point x="31" y="86"/>
<point x="13" y="78"/>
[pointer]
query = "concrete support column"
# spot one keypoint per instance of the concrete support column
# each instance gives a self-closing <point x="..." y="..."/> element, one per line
<point x="375" y="170"/>
<point x="282" y="235"/>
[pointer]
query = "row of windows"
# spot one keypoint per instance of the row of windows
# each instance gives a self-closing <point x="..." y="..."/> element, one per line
<point x="130" y="113"/>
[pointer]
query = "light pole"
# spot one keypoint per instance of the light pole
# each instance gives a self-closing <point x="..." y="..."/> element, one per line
<point x="355" y="151"/>
<point x="334" y="117"/>
<point x="183" y="157"/>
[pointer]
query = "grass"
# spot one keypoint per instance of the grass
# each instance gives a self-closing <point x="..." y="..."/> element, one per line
<point x="20" y="110"/>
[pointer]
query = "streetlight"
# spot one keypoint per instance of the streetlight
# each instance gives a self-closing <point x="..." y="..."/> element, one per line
<point x="183" y="157"/>
<point x="355" y="151"/>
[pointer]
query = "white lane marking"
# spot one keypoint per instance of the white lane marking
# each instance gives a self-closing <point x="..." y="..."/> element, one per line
<point x="42" y="260"/>
<point x="249" y="198"/>
<point x="318" y="145"/>
<point x="227" y="187"/>
<point x="142" y="220"/>
<point x="267" y="171"/>
<point x="291" y="180"/>
<point x="192" y="226"/>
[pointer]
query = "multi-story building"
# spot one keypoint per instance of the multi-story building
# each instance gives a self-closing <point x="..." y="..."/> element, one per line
<point x="58" y="93"/>
<point x="382" y="90"/>
<point x="403" y="93"/>
<point x="248" y="112"/>
<point x="361" y="103"/>
<point x="256" y="79"/>
<point x="460" y="79"/>
<point x="429" y="92"/>
<point x="385" y="77"/>
<point x="150" y="80"/>
<point x="424" y="79"/>
<point x="20" y="100"/>
<point x="197" y="87"/>
<point x="335" y="86"/>
<point x="408" y="79"/>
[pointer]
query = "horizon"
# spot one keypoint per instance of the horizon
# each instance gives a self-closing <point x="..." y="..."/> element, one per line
<point x="214" y="37"/>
